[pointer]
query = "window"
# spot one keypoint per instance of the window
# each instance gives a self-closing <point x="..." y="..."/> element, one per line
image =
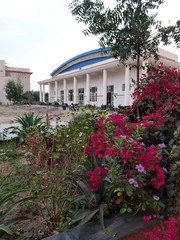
<point x="110" y="88"/>
<point x="62" y="96"/>
<point x="123" y="87"/>
<point x="81" y="95"/>
<point x="93" y="94"/>
<point x="71" y="95"/>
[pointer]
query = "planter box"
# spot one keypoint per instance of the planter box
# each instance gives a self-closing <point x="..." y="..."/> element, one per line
<point x="118" y="227"/>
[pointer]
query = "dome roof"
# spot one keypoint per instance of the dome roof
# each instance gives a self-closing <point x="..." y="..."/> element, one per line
<point x="82" y="60"/>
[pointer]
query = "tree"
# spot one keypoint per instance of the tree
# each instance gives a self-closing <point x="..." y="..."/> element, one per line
<point x="31" y="96"/>
<point x="171" y="33"/>
<point x="127" y="28"/>
<point x="14" y="91"/>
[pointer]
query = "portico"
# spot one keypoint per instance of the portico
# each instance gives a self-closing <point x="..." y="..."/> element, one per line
<point x="94" y="78"/>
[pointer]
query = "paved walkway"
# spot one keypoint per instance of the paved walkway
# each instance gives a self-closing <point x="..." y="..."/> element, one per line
<point x="3" y="126"/>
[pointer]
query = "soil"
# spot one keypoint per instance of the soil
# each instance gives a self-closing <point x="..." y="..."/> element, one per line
<point x="35" y="228"/>
<point x="8" y="113"/>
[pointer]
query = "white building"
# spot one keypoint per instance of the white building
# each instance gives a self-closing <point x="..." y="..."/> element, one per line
<point x="96" y="78"/>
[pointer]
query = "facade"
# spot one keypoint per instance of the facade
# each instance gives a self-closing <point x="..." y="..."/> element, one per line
<point x="96" y="78"/>
<point x="21" y="75"/>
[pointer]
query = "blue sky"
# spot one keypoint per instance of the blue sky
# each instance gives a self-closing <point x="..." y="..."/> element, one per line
<point x="42" y="34"/>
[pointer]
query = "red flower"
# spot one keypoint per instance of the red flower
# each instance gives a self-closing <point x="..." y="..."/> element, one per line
<point x="118" y="201"/>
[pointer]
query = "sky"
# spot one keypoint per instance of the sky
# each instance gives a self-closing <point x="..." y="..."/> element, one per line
<point x="42" y="34"/>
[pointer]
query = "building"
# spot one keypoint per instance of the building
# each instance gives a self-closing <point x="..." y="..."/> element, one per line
<point x="96" y="78"/>
<point x="19" y="75"/>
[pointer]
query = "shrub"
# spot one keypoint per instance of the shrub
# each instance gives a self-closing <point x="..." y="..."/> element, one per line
<point x="157" y="98"/>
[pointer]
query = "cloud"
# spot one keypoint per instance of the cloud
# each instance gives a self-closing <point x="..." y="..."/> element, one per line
<point x="42" y="34"/>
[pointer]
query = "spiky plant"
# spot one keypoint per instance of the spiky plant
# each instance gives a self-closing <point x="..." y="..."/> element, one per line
<point x="27" y="123"/>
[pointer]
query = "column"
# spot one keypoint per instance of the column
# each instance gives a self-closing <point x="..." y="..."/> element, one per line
<point x="56" y="91"/>
<point x="75" y="90"/>
<point x="40" y="93"/>
<point x="49" y="92"/>
<point x="127" y="84"/>
<point x="43" y="93"/>
<point x="65" y="91"/>
<point x="144" y="67"/>
<point x="104" y="87"/>
<point x="87" y="89"/>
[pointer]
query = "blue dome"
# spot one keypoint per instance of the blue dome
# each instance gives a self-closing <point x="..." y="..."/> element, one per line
<point x="83" y="60"/>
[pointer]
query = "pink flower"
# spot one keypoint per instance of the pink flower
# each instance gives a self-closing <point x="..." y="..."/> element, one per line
<point x="131" y="181"/>
<point x="162" y="145"/>
<point x="140" y="168"/>
<point x="156" y="198"/>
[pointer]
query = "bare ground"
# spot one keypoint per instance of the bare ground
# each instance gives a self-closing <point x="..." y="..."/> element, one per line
<point x="8" y="113"/>
<point x="35" y="228"/>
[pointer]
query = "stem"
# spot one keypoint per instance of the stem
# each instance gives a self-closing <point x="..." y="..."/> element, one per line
<point x="137" y="82"/>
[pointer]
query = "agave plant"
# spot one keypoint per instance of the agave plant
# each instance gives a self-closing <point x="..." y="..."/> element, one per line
<point x="8" y="202"/>
<point x="27" y="123"/>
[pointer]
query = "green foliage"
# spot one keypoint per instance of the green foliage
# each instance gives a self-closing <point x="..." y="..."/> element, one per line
<point x="9" y="200"/>
<point x="171" y="33"/>
<point x="126" y="28"/>
<point x="30" y="96"/>
<point x="52" y="190"/>
<point x="28" y="124"/>
<point x="14" y="91"/>
<point x="57" y="157"/>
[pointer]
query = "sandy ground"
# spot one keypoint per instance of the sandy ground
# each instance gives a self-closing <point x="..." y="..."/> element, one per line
<point x="8" y="113"/>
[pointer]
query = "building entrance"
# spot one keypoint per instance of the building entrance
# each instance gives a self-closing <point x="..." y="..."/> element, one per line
<point x="110" y="95"/>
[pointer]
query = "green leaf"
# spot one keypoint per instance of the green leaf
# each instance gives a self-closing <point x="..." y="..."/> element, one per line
<point x="6" y="229"/>
<point x="84" y="189"/>
<point x="16" y="220"/>
<point x="88" y="217"/>
<point x="123" y="210"/>
<point x="129" y="210"/>
<point x="129" y="192"/>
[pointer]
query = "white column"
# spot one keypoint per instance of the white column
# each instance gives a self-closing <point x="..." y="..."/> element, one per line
<point x="56" y="90"/>
<point x="49" y="91"/>
<point x="75" y="90"/>
<point x="104" y="87"/>
<point x="43" y="93"/>
<point x="145" y="66"/>
<point x="40" y="93"/>
<point x="87" y="89"/>
<point x="127" y="84"/>
<point x="65" y="91"/>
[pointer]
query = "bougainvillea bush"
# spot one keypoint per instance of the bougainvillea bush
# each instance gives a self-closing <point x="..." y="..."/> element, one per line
<point x="157" y="99"/>
<point x="133" y="173"/>
<point x="135" y="155"/>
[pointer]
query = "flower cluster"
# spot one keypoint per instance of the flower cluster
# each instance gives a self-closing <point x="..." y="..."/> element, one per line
<point x="130" y="165"/>
<point x="95" y="178"/>
<point x="158" y="95"/>
<point x="167" y="231"/>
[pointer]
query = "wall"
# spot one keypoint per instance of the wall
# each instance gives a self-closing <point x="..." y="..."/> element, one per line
<point x="19" y="75"/>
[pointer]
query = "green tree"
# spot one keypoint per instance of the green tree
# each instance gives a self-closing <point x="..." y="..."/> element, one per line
<point x="130" y="28"/>
<point x="14" y="91"/>
<point x="28" y="97"/>
<point x="171" y="33"/>
<point x="36" y="96"/>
